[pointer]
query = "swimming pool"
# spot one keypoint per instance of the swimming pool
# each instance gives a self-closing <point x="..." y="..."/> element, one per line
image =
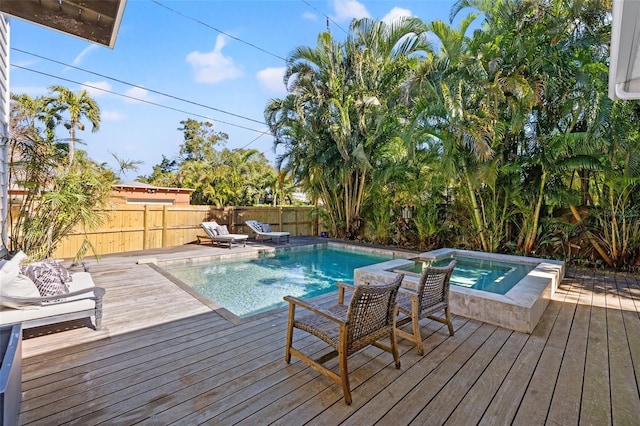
<point x="492" y="275"/>
<point x="251" y="286"/>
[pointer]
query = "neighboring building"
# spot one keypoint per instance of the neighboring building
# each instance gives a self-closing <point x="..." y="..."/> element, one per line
<point x="143" y="193"/>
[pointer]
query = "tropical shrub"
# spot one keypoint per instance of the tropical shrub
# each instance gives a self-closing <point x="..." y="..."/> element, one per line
<point x="63" y="189"/>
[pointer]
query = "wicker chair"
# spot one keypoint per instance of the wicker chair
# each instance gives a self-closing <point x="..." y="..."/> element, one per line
<point x="431" y="295"/>
<point x="369" y="317"/>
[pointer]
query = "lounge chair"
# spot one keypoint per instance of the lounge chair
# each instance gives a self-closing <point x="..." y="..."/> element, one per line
<point x="431" y="295"/>
<point x="369" y="317"/>
<point x="218" y="234"/>
<point x="21" y="301"/>
<point x="263" y="231"/>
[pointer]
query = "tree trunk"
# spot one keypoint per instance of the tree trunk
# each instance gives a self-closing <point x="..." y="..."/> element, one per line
<point x="614" y="224"/>
<point x="72" y="144"/>
<point x="531" y="236"/>
<point x="477" y="213"/>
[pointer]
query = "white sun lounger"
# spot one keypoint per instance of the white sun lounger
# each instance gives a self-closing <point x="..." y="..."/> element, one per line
<point x="263" y="231"/>
<point x="218" y="234"/>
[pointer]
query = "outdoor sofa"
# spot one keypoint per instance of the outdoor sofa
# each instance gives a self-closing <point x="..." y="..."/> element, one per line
<point x="263" y="231"/>
<point x="22" y="302"/>
<point x="219" y="234"/>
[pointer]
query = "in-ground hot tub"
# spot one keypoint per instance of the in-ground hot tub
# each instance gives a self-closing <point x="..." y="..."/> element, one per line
<point x="519" y="307"/>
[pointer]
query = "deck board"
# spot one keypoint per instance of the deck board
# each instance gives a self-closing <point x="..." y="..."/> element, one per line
<point x="631" y="323"/>
<point x="625" y="402"/>
<point x="407" y="409"/>
<point x="538" y="396"/>
<point x="450" y="396"/>
<point x="472" y="408"/>
<point x="377" y="389"/>
<point x="565" y="405"/>
<point x="595" y="409"/>
<point x="436" y="352"/>
<point x="506" y="402"/>
<point x="177" y="361"/>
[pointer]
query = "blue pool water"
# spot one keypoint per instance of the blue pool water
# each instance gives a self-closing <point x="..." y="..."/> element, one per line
<point x="478" y="273"/>
<point x="248" y="287"/>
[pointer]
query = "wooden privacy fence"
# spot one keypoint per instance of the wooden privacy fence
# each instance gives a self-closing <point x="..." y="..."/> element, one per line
<point x="140" y="227"/>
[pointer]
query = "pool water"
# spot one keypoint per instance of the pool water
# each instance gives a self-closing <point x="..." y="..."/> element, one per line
<point x="248" y="287"/>
<point x="489" y="275"/>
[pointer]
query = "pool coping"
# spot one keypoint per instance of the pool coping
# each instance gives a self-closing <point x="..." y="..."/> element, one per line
<point x="519" y="309"/>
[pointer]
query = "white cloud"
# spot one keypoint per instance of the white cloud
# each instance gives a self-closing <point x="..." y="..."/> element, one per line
<point x="112" y="116"/>
<point x="271" y="80"/>
<point x="309" y="16"/>
<point x="213" y="67"/>
<point x="395" y="13"/>
<point x="96" y="89"/>
<point x="346" y="10"/>
<point x="138" y="93"/>
<point x="78" y="59"/>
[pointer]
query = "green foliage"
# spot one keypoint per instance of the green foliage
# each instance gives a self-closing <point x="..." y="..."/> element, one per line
<point x="512" y="122"/>
<point x="64" y="192"/>
<point x="223" y="177"/>
<point x="345" y="104"/>
<point x="62" y="103"/>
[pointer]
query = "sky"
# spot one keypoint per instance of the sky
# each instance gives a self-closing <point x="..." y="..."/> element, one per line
<point x="218" y="61"/>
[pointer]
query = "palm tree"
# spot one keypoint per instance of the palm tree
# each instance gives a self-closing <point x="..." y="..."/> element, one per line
<point x="78" y="106"/>
<point x="451" y="107"/>
<point x="58" y="199"/>
<point x="26" y="114"/>
<point x="344" y="104"/>
<point x="125" y="165"/>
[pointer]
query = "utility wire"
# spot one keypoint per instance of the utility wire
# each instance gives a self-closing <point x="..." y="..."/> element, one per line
<point x="252" y="141"/>
<point x="141" y="87"/>
<point x="217" y="30"/>
<point x="141" y="100"/>
<point x="326" y="16"/>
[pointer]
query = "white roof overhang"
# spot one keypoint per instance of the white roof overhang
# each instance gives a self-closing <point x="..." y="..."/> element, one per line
<point x="624" y="67"/>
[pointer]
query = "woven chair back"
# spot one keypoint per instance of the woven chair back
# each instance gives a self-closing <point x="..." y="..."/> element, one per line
<point x="371" y="312"/>
<point x="433" y="287"/>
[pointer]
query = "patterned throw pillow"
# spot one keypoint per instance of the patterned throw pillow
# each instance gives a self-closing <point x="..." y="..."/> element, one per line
<point x="258" y="226"/>
<point x="64" y="274"/>
<point x="46" y="279"/>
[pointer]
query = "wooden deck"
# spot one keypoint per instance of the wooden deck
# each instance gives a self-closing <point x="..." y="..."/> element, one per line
<point x="164" y="358"/>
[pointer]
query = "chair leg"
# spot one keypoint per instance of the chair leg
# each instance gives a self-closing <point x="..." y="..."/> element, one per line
<point x="344" y="375"/>
<point x="447" y="315"/>
<point x="287" y="351"/>
<point x="394" y="347"/>
<point x="417" y="337"/>
<point x="98" y="313"/>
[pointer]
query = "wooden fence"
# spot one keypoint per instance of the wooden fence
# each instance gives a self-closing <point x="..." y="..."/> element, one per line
<point x="139" y="227"/>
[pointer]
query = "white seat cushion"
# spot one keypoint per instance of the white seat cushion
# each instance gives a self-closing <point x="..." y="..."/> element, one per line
<point x="81" y="280"/>
<point x="230" y="237"/>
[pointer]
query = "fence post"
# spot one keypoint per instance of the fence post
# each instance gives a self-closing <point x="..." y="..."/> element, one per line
<point x="145" y="224"/>
<point x="164" y="226"/>
<point x="232" y="220"/>
<point x="280" y="218"/>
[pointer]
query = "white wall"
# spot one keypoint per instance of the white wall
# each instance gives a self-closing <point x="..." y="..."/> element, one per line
<point x="4" y="125"/>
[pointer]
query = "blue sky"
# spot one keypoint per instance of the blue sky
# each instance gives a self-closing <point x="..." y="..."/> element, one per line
<point x="170" y="46"/>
